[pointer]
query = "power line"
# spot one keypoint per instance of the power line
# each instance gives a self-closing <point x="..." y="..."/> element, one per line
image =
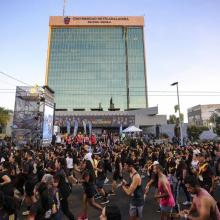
<point x="7" y="82"/>
<point x="163" y="91"/>
<point x="118" y="90"/>
<point x="11" y="77"/>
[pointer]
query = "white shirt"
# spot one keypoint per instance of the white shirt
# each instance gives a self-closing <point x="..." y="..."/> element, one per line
<point x="88" y="156"/>
<point x="58" y="139"/>
<point x="69" y="163"/>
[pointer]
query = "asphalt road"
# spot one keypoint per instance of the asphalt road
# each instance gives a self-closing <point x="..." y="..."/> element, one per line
<point x="121" y="200"/>
<point x="150" y="206"/>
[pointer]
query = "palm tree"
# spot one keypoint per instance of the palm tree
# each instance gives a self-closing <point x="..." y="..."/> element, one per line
<point x="4" y="116"/>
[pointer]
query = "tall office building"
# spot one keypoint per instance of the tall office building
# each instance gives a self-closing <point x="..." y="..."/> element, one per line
<point x="96" y="67"/>
<point x="92" y="60"/>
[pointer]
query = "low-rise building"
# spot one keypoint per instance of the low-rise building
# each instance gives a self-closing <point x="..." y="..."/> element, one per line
<point x="199" y="115"/>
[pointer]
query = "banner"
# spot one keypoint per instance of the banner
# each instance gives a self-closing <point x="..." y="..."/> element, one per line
<point x="90" y="128"/>
<point x="68" y="126"/>
<point x="84" y="126"/>
<point x="120" y="129"/>
<point x="75" y="128"/>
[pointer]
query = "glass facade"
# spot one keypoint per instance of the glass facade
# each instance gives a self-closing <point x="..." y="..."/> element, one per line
<point x="89" y="65"/>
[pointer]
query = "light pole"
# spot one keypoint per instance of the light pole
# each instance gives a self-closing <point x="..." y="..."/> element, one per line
<point x="180" y="123"/>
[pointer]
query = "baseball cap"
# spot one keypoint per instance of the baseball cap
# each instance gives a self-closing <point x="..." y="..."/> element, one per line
<point x="156" y="163"/>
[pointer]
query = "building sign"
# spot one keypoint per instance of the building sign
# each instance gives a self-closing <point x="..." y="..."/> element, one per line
<point x="66" y="20"/>
<point x="97" y="121"/>
<point x="97" y="21"/>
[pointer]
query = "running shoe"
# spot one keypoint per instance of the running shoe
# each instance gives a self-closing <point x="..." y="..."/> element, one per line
<point x="106" y="180"/>
<point x="187" y="203"/>
<point x="25" y="213"/>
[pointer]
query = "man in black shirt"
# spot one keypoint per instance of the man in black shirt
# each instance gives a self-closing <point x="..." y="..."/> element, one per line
<point x="117" y="175"/>
<point x="30" y="173"/>
<point x="205" y="174"/>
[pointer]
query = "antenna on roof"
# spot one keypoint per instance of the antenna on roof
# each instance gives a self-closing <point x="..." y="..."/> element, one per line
<point x="64" y="7"/>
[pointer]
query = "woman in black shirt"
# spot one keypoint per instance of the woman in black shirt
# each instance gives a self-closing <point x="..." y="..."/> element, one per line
<point x="5" y="181"/>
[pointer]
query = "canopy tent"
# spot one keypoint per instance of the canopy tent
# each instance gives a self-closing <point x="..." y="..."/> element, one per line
<point x="207" y="135"/>
<point x="131" y="129"/>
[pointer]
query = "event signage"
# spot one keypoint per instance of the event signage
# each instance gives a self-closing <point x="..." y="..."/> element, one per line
<point x="96" y="121"/>
<point x="71" y="21"/>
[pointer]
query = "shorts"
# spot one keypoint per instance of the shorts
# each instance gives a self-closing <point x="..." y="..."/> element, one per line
<point x="107" y="166"/>
<point x="69" y="172"/>
<point x="166" y="209"/>
<point x="116" y="176"/>
<point x="29" y="188"/>
<point x="136" y="211"/>
<point x="100" y="183"/>
<point x="89" y="191"/>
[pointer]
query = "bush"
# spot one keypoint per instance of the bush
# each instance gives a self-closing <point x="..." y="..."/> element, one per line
<point x="194" y="132"/>
<point x="164" y="136"/>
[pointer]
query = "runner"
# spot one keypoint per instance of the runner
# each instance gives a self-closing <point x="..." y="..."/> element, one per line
<point x="164" y="195"/>
<point x="100" y="180"/>
<point x="203" y="203"/>
<point x="134" y="190"/>
<point x="88" y="181"/>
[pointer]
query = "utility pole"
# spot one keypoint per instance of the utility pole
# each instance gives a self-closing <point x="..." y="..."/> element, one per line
<point x="180" y="123"/>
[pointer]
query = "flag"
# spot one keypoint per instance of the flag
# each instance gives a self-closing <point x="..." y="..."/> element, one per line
<point x="176" y="108"/>
<point x="84" y="126"/>
<point x="75" y="128"/>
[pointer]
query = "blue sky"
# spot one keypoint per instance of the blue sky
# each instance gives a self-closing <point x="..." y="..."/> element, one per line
<point x="182" y="44"/>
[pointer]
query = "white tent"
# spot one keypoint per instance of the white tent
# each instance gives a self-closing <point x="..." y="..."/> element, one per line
<point x="131" y="129"/>
<point x="207" y="135"/>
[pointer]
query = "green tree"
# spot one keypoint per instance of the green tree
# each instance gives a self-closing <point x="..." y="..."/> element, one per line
<point x="215" y="118"/>
<point x="4" y="116"/>
<point x="217" y="130"/>
<point x="194" y="131"/>
<point x="174" y="120"/>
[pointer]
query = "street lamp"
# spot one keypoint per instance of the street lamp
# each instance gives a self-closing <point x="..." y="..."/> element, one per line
<point x="180" y="123"/>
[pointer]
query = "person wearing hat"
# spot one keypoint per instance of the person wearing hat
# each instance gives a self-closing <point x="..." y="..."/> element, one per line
<point x="134" y="190"/>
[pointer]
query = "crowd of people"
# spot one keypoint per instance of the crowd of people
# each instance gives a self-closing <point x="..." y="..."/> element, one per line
<point x="42" y="179"/>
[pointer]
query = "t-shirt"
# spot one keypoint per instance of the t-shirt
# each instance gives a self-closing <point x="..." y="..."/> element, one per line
<point x="88" y="156"/>
<point x="30" y="168"/>
<point x="69" y="163"/>
<point x="101" y="174"/>
<point x="206" y="180"/>
<point x="7" y="188"/>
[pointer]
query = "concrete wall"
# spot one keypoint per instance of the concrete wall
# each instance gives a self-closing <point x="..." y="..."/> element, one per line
<point x="143" y="120"/>
<point x="168" y="129"/>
